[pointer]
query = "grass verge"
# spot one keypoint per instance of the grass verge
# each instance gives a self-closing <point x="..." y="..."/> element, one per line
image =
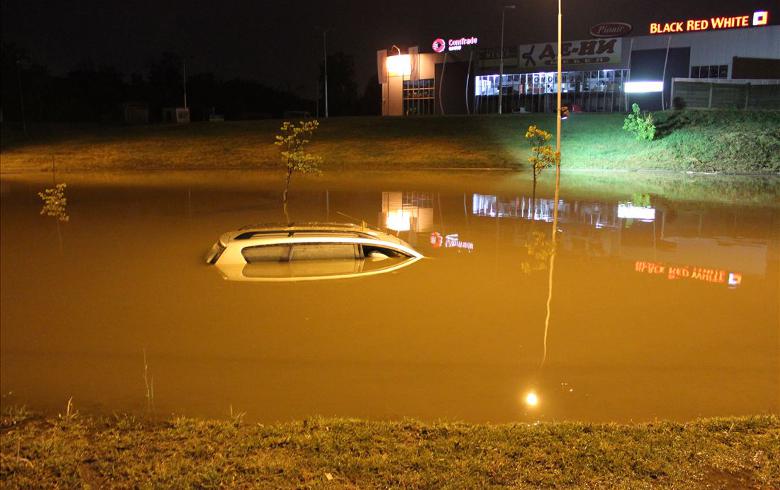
<point x="695" y="140"/>
<point x="71" y="450"/>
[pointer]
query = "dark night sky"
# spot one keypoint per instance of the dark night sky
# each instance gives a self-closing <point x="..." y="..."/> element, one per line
<point x="280" y="43"/>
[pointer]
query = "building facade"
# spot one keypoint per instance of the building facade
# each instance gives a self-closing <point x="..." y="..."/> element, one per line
<point x="734" y="65"/>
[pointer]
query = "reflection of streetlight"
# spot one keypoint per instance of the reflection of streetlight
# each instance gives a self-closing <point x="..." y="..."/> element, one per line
<point x="501" y="62"/>
<point x="531" y="399"/>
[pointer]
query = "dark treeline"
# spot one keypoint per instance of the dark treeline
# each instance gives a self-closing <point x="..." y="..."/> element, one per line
<point x="99" y="93"/>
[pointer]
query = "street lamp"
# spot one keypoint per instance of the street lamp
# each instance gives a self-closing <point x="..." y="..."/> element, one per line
<point x="558" y="120"/>
<point x="325" y="59"/>
<point x="501" y="57"/>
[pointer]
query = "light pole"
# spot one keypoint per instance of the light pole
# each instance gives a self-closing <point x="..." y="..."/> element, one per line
<point x="501" y="58"/>
<point x="325" y="51"/>
<point x="21" y="94"/>
<point x="558" y="119"/>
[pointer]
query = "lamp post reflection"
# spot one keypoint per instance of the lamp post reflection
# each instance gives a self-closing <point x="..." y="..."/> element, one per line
<point x="552" y="258"/>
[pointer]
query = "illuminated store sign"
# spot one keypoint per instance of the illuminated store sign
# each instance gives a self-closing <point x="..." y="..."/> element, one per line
<point x="602" y="51"/>
<point x="610" y="29"/>
<point x="756" y="19"/>
<point x="440" y="46"/>
<point x="704" y="274"/>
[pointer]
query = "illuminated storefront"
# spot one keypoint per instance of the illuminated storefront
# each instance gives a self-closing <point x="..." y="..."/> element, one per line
<point x="603" y="74"/>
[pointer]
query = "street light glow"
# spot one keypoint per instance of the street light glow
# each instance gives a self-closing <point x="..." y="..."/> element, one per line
<point x="399" y="65"/>
<point x="531" y="399"/>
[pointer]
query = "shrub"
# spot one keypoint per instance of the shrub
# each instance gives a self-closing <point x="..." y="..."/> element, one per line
<point x="641" y="125"/>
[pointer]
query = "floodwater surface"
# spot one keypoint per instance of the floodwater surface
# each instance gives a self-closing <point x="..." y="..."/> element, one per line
<point x="662" y="301"/>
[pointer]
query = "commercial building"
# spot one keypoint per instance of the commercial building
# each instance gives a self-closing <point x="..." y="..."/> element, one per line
<point x="716" y="62"/>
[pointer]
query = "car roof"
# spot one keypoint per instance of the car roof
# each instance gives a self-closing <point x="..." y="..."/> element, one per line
<point x="325" y="228"/>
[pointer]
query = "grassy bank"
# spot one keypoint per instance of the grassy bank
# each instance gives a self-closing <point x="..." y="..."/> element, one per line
<point x="726" y="141"/>
<point x="123" y="451"/>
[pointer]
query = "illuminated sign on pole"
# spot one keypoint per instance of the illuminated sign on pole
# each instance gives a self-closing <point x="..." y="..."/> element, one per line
<point x="756" y="19"/>
<point x="440" y="46"/>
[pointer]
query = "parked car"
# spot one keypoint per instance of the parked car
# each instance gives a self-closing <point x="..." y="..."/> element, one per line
<point x="306" y="252"/>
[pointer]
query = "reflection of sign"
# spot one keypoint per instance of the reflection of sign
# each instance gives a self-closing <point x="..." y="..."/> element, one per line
<point x="610" y="29"/>
<point x="453" y="241"/>
<point x="602" y="51"/>
<point x="704" y="274"/>
<point x="453" y="44"/>
<point x="450" y="241"/>
<point x="756" y="19"/>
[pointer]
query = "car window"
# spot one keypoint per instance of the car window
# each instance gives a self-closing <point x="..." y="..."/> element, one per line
<point x="266" y="253"/>
<point x="323" y="251"/>
<point x="370" y="251"/>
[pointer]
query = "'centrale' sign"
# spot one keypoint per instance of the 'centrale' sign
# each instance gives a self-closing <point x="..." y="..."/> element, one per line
<point x="757" y="19"/>
<point x="453" y="44"/>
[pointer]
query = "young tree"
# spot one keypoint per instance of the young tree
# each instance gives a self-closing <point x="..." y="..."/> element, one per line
<point x="292" y="142"/>
<point x="542" y="154"/>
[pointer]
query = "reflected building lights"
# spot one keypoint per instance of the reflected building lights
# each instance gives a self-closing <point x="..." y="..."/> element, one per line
<point x="407" y="211"/>
<point x="629" y="211"/>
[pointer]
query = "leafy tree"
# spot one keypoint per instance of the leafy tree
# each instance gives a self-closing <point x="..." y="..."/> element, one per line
<point x="642" y="125"/>
<point x="292" y="142"/>
<point x="542" y="154"/>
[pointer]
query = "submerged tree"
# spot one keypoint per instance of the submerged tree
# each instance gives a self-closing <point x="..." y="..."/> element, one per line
<point x="292" y="142"/>
<point x="542" y="154"/>
<point x="55" y="203"/>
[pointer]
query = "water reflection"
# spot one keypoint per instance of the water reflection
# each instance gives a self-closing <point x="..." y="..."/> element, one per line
<point x="642" y="321"/>
<point x="407" y="211"/>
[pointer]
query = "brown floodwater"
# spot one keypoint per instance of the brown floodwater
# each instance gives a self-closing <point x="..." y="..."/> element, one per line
<point x="664" y="299"/>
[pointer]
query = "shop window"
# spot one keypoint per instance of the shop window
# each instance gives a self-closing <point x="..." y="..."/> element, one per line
<point x="710" y="71"/>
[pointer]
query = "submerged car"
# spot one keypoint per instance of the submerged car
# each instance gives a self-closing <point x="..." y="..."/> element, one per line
<point x="306" y="252"/>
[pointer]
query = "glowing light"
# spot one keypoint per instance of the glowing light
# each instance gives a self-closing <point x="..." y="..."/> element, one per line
<point x="635" y="212"/>
<point x="399" y="65"/>
<point x="399" y="220"/>
<point x="760" y="18"/>
<point x="644" y="87"/>
<point x="531" y="399"/>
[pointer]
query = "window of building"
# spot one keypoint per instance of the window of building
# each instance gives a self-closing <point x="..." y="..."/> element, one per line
<point x="592" y="90"/>
<point x="710" y="71"/>
<point x="419" y="96"/>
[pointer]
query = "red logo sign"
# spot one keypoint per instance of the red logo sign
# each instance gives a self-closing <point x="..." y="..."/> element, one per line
<point x="610" y="29"/>
<point x="439" y="45"/>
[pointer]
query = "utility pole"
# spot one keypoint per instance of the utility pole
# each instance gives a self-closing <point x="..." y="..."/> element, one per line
<point x="21" y="94"/>
<point x="184" y="79"/>
<point x="325" y="51"/>
<point x="501" y="62"/>
<point x="558" y="118"/>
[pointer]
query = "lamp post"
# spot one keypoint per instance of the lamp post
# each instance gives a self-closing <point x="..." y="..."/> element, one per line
<point x="558" y="119"/>
<point x="389" y="84"/>
<point x="21" y="94"/>
<point x="501" y="58"/>
<point x="325" y="52"/>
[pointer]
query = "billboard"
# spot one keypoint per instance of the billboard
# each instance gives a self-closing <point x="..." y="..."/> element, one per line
<point x="588" y="51"/>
